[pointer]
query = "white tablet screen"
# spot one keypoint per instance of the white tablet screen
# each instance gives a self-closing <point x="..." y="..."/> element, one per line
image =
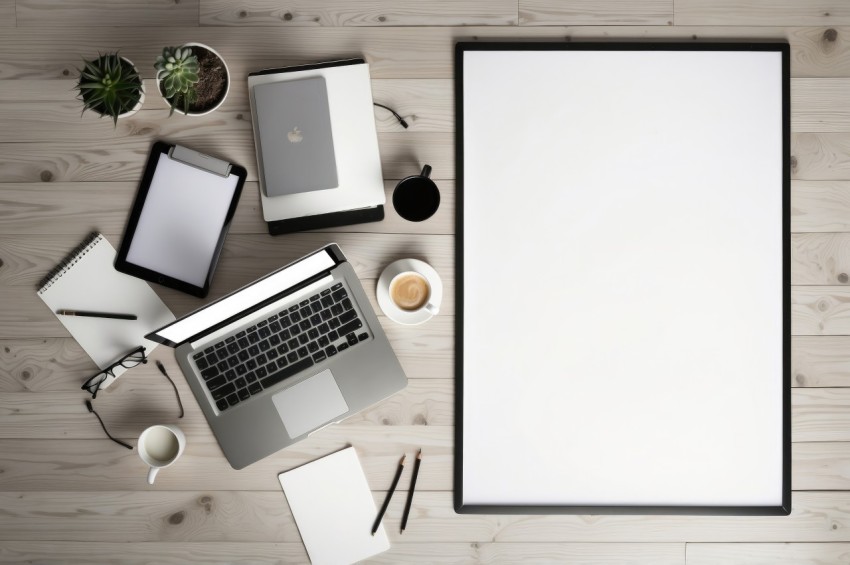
<point x="623" y="278"/>
<point x="181" y="221"/>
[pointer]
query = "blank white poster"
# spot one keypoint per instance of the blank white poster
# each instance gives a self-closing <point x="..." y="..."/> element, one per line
<point x="622" y="308"/>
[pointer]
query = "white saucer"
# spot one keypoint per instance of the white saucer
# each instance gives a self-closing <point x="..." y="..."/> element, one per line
<point x="395" y="313"/>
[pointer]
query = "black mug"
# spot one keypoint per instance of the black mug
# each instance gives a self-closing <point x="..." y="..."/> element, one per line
<point x="416" y="198"/>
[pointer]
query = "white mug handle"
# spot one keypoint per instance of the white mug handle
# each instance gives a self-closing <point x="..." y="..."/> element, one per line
<point x="152" y="474"/>
<point x="432" y="309"/>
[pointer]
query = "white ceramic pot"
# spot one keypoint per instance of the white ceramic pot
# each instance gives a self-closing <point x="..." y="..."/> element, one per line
<point x="226" y="91"/>
<point x="138" y="106"/>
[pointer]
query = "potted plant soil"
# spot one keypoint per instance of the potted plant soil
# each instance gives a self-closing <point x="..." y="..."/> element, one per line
<point x="193" y="78"/>
<point x="110" y="86"/>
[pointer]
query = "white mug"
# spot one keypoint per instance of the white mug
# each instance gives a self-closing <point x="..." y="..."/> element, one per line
<point x="419" y="293"/>
<point x="160" y="446"/>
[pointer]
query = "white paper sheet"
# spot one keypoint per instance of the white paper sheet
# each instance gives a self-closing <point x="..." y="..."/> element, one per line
<point x="334" y="509"/>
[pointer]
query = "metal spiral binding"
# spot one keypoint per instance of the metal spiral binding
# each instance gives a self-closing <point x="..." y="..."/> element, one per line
<point x="70" y="259"/>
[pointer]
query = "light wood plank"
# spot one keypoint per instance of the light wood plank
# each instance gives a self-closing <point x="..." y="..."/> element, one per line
<point x="762" y="12"/>
<point x="589" y="12"/>
<point x="820" y="206"/>
<point x="820" y="258"/>
<point x="820" y="310"/>
<point x="99" y="464"/>
<point x="372" y="13"/>
<point x="417" y="53"/>
<point x="123" y="158"/>
<point x="821" y="466"/>
<point x="817" y="105"/>
<point x="128" y="408"/>
<point x="820" y="105"/>
<point x="820" y="414"/>
<point x="764" y="553"/>
<point x="820" y="156"/>
<point x="142" y="553"/>
<point x="264" y="517"/>
<point x="7" y="13"/>
<point x="820" y="361"/>
<point x="43" y="208"/>
<point x="89" y="13"/>
<point x="815" y="156"/>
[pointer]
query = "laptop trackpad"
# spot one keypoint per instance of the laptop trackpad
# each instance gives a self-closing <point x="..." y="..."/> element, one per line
<point x="309" y="404"/>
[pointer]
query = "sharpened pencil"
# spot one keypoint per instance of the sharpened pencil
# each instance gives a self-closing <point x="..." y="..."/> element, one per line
<point x="389" y="496"/>
<point x="410" y="492"/>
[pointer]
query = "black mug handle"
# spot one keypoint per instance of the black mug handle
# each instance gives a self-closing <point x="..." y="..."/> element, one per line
<point x="426" y="171"/>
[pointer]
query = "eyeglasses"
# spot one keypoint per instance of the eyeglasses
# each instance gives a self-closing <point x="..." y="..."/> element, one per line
<point x="132" y="359"/>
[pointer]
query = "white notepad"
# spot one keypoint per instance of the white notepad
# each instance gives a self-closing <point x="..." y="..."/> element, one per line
<point x="334" y="509"/>
<point x="87" y="280"/>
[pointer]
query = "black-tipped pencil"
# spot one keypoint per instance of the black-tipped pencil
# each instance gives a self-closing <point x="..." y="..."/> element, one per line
<point x="410" y="492"/>
<point x="389" y="496"/>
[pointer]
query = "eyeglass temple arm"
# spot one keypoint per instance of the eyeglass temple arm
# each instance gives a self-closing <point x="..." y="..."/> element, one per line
<point x="102" y="425"/>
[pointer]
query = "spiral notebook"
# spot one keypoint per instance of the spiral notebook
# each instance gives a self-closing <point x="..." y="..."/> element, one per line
<point x="87" y="280"/>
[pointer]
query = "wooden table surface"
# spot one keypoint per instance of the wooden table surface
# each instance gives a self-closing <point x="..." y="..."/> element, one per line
<point x="69" y="495"/>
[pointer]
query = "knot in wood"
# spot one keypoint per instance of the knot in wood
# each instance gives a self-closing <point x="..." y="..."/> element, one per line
<point x="176" y="518"/>
<point x="830" y="35"/>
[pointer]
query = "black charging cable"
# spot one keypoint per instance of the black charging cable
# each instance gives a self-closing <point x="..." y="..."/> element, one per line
<point x="102" y="425"/>
<point x="394" y="113"/>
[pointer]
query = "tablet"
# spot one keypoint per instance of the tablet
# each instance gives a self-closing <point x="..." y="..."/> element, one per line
<point x="183" y="210"/>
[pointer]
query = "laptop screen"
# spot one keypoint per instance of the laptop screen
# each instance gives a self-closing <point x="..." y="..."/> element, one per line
<point x="243" y="299"/>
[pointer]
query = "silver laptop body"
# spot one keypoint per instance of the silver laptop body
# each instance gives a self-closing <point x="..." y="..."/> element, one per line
<point x="295" y="146"/>
<point x="275" y="391"/>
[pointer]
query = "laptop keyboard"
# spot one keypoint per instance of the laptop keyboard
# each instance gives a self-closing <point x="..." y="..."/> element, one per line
<point x="284" y="344"/>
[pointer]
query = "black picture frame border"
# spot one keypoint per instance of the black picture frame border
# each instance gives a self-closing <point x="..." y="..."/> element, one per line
<point x="778" y="45"/>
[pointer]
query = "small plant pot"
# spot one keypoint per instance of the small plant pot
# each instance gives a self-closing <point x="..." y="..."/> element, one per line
<point x="213" y="101"/>
<point x="138" y="105"/>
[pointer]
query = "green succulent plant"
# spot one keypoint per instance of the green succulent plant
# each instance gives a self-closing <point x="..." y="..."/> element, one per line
<point x="177" y="69"/>
<point x="109" y="86"/>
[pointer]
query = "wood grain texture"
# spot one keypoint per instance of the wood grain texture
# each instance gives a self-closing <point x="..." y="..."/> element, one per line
<point x="588" y="12"/>
<point x="820" y="258"/>
<point x="821" y="466"/>
<point x="764" y="553"/>
<point x="93" y="13"/>
<point x="762" y="12"/>
<point x="416" y="53"/>
<point x="166" y="553"/>
<point x="99" y="464"/>
<point x="820" y="206"/>
<point x="7" y="13"/>
<point x="820" y="311"/>
<point x="820" y="105"/>
<point x="818" y="414"/>
<point x="371" y="13"/>
<point x="820" y="361"/>
<point x="263" y="516"/>
<point x="123" y="158"/>
<point x="820" y="156"/>
<point x="44" y="208"/>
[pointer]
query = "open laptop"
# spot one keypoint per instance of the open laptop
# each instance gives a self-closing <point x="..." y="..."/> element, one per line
<point x="288" y="354"/>
<point x="294" y="139"/>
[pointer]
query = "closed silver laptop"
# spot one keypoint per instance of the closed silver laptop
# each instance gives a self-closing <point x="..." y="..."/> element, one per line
<point x="284" y="356"/>
<point x="295" y="147"/>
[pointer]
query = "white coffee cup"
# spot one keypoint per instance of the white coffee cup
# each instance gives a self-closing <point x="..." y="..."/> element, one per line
<point x="409" y="291"/>
<point x="160" y="446"/>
